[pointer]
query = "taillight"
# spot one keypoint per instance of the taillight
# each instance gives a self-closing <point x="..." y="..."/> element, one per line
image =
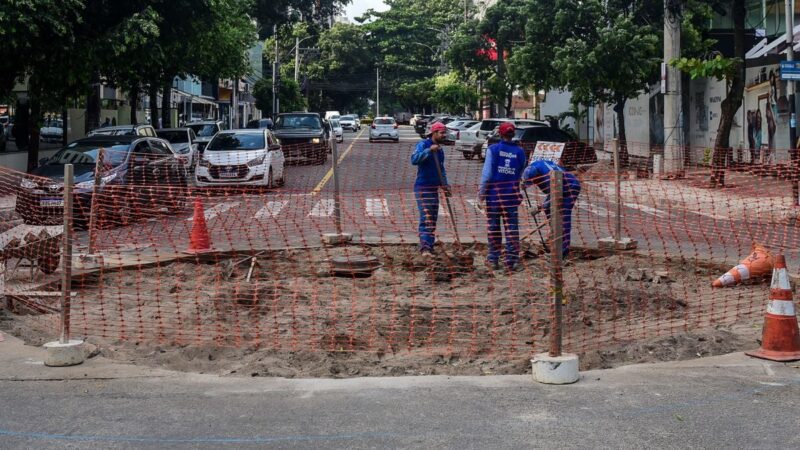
<point x="395" y="126"/>
<point x="372" y="126"/>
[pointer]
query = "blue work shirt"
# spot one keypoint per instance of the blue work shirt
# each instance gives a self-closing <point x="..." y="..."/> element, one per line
<point x="502" y="171"/>
<point x="538" y="173"/>
<point x="423" y="158"/>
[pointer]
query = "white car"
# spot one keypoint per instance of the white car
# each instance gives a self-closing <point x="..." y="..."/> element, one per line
<point x="384" y="128"/>
<point x="454" y="129"/>
<point x="413" y="120"/>
<point x="183" y="142"/>
<point x="242" y="158"/>
<point x="468" y="142"/>
<point x="350" y="122"/>
<point x="52" y="131"/>
<point x="337" y="130"/>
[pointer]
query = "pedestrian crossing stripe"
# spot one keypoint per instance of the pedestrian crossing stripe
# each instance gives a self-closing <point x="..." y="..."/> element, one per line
<point x="323" y="208"/>
<point x="216" y="210"/>
<point x="377" y="207"/>
<point x="272" y="209"/>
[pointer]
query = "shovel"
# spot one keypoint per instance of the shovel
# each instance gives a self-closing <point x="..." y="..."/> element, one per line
<point x="463" y="260"/>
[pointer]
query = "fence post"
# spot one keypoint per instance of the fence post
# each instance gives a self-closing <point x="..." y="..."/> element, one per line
<point x="556" y="256"/>
<point x="66" y="275"/>
<point x="616" y="241"/>
<point x="98" y="175"/>
<point x="339" y="237"/>
<point x="66" y="351"/>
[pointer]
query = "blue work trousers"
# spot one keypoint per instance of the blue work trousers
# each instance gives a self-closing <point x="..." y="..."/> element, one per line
<point x="428" y="206"/>
<point x="496" y="213"/>
<point x="570" y="198"/>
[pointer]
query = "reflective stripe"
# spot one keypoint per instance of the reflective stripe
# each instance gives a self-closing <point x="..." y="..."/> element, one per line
<point x="781" y="308"/>
<point x="780" y="294"/>
<point x="744" y="272"/>
<point x="780" y="280"/>
<point x="727" y="279"/>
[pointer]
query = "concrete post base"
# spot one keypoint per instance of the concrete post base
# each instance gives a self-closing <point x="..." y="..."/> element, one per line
<point x="336" y="239"/>
<point x="609" y="243"/>
<point x="67" y="354"/>
<point x="555" y="369"/>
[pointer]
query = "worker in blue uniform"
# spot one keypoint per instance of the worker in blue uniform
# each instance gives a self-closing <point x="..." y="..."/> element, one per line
<point x="427" y="155"/>
<point x="538" y="173"/>
<point x="499" y="188"/>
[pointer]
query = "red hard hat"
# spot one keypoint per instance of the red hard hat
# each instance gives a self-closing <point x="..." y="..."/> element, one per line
<point x="507" y="128"/>
<point x="438" y="126"/>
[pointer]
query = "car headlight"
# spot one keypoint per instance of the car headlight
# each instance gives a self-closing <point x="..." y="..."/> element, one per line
<point x="256" y="162"/>
<point x="316" y="140"/>
<point x="204" y="163"/>
<point x="89" y="184"/>
<point x="27" y="184"/>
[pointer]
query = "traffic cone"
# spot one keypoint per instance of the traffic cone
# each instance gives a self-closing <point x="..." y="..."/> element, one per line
<point x="199" y="239"/>
<point x="758" y="264"/>
<point x="780" y="339"/>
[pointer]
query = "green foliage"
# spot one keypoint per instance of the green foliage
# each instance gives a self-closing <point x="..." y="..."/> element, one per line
<point x="291" y="99"/>
<point x="452" y="96"/>
<point x="416" y="94"/>
<point x="717" y="67"/>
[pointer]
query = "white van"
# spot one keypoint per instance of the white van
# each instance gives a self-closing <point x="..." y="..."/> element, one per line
<point x="332" y="115"/>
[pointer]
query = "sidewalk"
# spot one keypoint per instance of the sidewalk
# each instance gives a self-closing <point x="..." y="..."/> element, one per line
<point x="727" y="401"/>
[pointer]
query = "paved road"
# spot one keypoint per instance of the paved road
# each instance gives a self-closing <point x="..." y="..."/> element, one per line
<point x="722" y="402"/>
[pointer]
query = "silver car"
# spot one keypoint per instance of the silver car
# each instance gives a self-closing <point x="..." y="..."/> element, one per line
<point x="183" y="143"/>
<point x="205" y="131"/>
<point x="454" y="129"/>
<point x="337" y="130"/>
<point x="384" y="128"/>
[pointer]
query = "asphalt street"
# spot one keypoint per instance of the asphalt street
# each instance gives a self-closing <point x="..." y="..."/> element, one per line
<point x="730" y="401"/>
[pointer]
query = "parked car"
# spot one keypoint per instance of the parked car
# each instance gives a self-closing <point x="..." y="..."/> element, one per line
<point x="421" y="124"/>
<point x="350" y="122"/>
<point x="332" y="115"/>
<point x="383" y="128"/>
<point x="260" y="124"/>
<point x="242" y="158"/>
<point x="413" y="120"/>
<point x="467" y="141"/>
<point x="442" y="119"/>
<point x="205" y="130"/>
<point x="575" y="152"/>
<point x="52" y="131"/>
<point x="454" y="129"/>
<point x="124" y="130"/>
<point x="303" y="136"/>
<point x="138" y="170"/>
<point x="183" y="142"/>
<point x="338" y="132"/>
<point x="3" y="138"/>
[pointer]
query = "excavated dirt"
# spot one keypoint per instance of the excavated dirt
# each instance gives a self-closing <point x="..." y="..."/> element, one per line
<point x="411" y="316"/>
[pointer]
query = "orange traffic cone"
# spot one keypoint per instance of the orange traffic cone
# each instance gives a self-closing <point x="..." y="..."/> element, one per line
<point x="199" y="240"/>
<point x="780" y="339"/>
<point x="758" y="264"/>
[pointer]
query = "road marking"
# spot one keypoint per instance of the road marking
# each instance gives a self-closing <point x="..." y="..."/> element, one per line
<point x="476" y="204"/>
<point x="647" y="209"/>
<point x="323" y="208"/>
<point x="377" y="207"/>
<point x="328" y="175"/>
<point x="271" y="210"/>
<point x="216" y="210"/>
<point x="594" y="209"/>
<point x="443" y="210"/>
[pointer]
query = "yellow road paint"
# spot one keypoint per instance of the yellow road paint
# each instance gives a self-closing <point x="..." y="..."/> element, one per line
<point x="328" y="175"/>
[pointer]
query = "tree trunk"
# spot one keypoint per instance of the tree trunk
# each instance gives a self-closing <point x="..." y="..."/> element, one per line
<point x="65" y="129"/>
<point x="93" y="104"/>
<point x="501" y="74"/>
<point x="134" y="101"/>
<point x="35" y="126"/>
<point x="733" y="99"/>
<point x="619" y="108"/>
<point x="166" y="104"/>
<point x="154" y="104"/>
<point x="509" y="103"/>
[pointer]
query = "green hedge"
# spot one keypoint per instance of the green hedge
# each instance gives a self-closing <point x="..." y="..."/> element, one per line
<point x="366" y="121"/>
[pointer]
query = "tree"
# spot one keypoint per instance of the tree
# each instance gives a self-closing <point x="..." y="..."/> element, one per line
<point x="416" y="95"/>
<point x="291" y="99"/>
<point x="608" y="56"/>
<point x="271" y="13"/>
<point x="453" y="96"/>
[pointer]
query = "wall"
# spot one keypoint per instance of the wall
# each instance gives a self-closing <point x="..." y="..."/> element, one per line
<point x="19" y="160"/>
<point x="555" y="103"/>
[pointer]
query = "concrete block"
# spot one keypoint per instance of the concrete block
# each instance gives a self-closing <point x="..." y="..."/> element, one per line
<point x="67" y="354"/>
<point x="555" y="369"/>
<point x="336" y="239"/>
<point x="609" y="243"/>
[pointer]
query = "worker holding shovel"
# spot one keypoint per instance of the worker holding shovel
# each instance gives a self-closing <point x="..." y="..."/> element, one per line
<point x="502" y="171"/>
<point x="431" y="175"/>
<point x="538" y="173"/>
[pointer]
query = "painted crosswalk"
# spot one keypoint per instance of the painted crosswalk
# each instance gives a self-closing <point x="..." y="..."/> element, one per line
<point x="216" y="210"/>
<point x="323" y="208"/>
<point x="271" y="210"/>
<point x="376" y="207"/>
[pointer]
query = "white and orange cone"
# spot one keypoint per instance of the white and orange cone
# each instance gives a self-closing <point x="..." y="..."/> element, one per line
<point x="199" y="239"/>
<point x="757" y="264"/>
<point x="780" y="339"/>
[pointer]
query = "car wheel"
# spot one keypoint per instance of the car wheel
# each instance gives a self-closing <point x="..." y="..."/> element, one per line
<point x="270" y="182"/>
<point x="468" y="155"/>
<point x="282" y="181"/>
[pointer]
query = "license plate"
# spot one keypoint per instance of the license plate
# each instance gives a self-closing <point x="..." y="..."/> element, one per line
<point x="51" y="202"/>
<point x="228" y="174"/>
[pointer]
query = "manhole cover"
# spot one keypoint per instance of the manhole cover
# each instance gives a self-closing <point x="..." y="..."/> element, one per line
<point x="348" y="265"/>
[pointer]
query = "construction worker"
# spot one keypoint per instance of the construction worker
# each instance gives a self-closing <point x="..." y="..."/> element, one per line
<point x="499" y="188"/>
<point x="427" y="156"/>
<point x="538" y="173"/>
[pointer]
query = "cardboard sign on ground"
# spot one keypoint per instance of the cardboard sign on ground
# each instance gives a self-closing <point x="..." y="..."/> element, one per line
<point x="550" y="151"/>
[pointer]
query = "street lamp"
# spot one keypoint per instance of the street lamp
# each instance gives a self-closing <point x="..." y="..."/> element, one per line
<point x="297" y="42"/>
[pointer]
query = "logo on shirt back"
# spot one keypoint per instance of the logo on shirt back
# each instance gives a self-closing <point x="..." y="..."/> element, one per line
<point x="507" y="169"/>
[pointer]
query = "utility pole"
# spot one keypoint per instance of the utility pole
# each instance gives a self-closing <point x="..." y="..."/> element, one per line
<point x="671" y="88"/>
<point x="377" y="92"/>
<point x="296" y="59"/>
<point x="275" y="68"/>
<point x="790" y="88"/>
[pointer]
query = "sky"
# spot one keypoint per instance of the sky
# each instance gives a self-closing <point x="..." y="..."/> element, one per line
<point x="358" y="7"/>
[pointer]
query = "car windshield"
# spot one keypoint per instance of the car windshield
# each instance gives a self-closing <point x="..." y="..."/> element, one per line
<point x="384" y="121"/>
<point x="82" y="153"/>
<point x="298" y="121"/>
<point x="204" y="130"/>
<point x="334" y="123"/>
<point x="174" y="136"/>
<point x="236" y="141"/>
<point x="57" y="123"/>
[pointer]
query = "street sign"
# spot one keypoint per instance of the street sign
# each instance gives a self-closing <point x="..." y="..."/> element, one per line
<point x="550" y="151"/>
<point x="790" y="70"/>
